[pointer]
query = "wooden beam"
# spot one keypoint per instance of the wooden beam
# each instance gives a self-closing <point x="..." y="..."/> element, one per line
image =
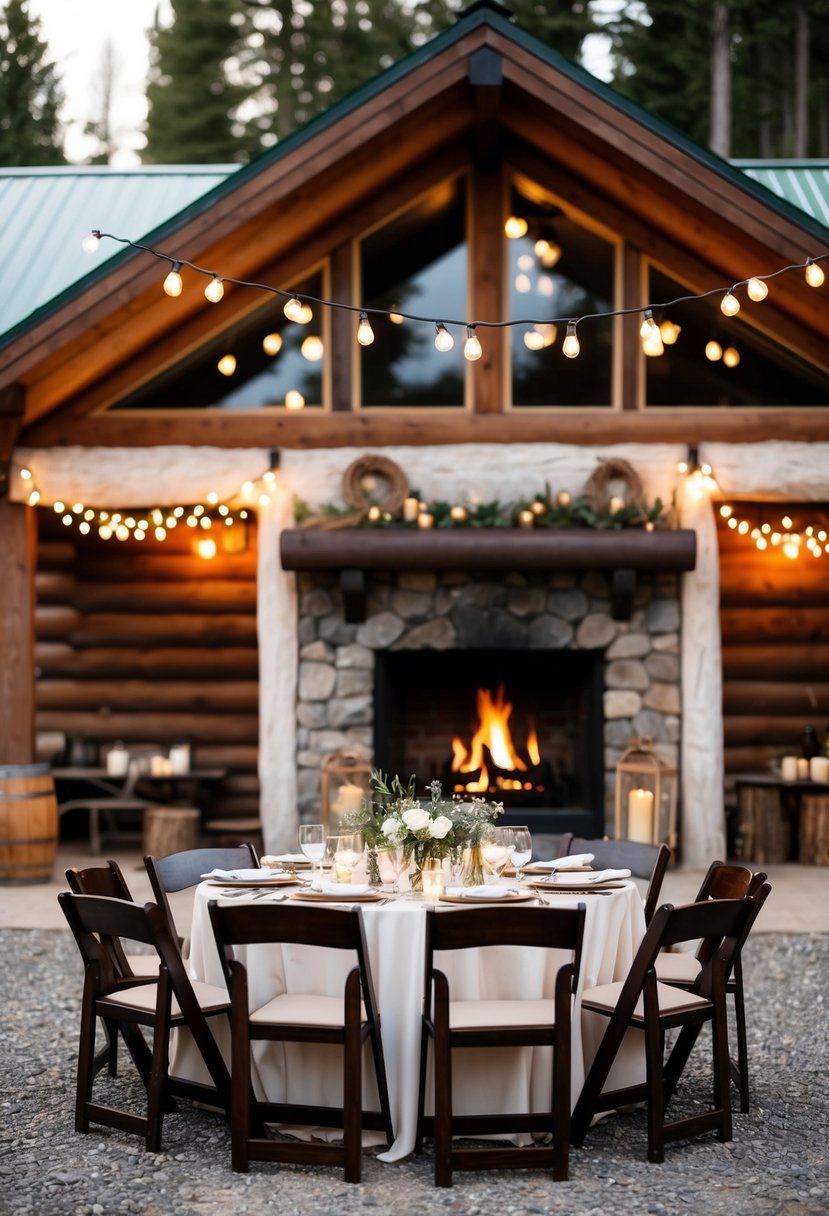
<point x="486" y="77"/>
<point x="343" y="326"/>
<point x="17" y="632"/>
<point x="12" y="405"/>
<point x="315" y="429"/>
<point x="487" y="275"/>
<point x="487" y="549"/>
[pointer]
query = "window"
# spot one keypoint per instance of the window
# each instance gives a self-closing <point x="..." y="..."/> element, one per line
<point x="416" y="263"/>
<point x="268" y="361"/>
<point x="723" y="361"/>
<point x="557" y="268"/>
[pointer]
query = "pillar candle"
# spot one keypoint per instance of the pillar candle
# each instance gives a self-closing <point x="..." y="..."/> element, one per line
<point x="411" y="507"/>
<point x="640" y="816"/>
<point x="802" y="769"/>
<point x="615" y="504"/>
<point x="526" y="519"/>
<point x="432" y="874"/>
<point x="425" y="520"/>
<point x="788" y="768"/>
<point x="819" y="769"/>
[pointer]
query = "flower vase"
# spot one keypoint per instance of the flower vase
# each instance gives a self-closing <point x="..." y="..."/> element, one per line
<point x="373" y="868"/>
<point x="474" y="870"/>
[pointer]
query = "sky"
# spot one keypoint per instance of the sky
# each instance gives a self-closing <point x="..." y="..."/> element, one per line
<point x="77" y="31"/>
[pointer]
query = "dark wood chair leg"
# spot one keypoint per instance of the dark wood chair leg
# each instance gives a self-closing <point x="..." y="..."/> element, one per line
<point x="86" y="1056"/>
<point x="739" y="1071"/>
<point x="421" y="1091"/>
<point x="158" y="1073"/>
<point x="561" y="1080"/>
<point x="654" y="1064"/>
<point x="722" y="1061"/>
<point x="443" y="1085"/>
<point x="239" y="1072"/>
<point x="352" y="1080"/>
<point x="111" y="1030"/>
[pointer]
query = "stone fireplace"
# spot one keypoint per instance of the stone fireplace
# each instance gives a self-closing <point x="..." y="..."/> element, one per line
<point x="550" y="637"/>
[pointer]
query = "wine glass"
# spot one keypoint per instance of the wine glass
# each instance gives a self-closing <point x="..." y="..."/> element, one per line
<point x="348" y="855"/>
<point x="496" y="848"/>
<point x="392" y="858"/>
<point x="312" y="843"/>
<point x="522" y="849"/>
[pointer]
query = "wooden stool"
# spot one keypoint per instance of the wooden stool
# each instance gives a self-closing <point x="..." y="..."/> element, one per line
<point x="763" y="833"/>
<point x="170" y="829"/>
<point x="814" y="830"/>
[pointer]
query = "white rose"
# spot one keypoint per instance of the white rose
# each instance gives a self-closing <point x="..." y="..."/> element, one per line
<point x="440" y="827"/>
<point x="416" y="819"/>
<point x="391" y="829"/>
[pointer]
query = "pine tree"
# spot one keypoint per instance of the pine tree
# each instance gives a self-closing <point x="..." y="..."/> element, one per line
<point x="191" y="101"/>
<point x="561" y="24"/>
<point x="30" y="95"/>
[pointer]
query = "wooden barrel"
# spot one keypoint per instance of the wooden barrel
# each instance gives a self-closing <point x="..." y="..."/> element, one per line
<point x="28" y="823"/>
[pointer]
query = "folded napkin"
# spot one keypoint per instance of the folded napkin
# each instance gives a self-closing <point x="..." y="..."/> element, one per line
<point x="345" y="888"/>
<point x="577" y="861"/>
<point x="589" y="880"/>
<point x="247" y="875"/>
<point x="284" y="859"/>
<point x="481" y="892"/>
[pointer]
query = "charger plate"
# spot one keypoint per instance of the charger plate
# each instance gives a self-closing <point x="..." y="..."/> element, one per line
<point x="319" y="897"/>
<point x="286" y="880"/>
<point x="538" y="869"/>
<point x="578" y="888"/>
<point x="522" y="898"/>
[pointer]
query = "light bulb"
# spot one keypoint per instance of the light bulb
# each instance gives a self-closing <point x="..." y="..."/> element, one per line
<point x="90" y="242"/>
<point x="227" y="365"/>
<point x="814" y="275"/>
<point x="726" y="511"/>
<point x="515" y="227"/>
<point x="471" y="347"/>
<point x="545" y="285"/>
<point x="729" y="304"/>
<point x="670" y="332"/>
<point x="25" y="474"/>
<point x="396" y="318"/>
<point x="570" y="346"/>
<point x="272" y="344"/>
<point x="84" y="528"/>
<point x="523" y="282"/>
<point x="294" y="399"/>
<point x="713" y="351"/>
<point x="312" y="348"/>
<point x="525" y="262"/>
<point x="206" y="548"/>
<point x="214" y="290"/>
<point x="293" y="309"/>
<point x="172" y="284"/>
<point x="365" y="334"/>
<point x="533" y="339"/>
<point x="443" y="339"/>
<point x="212" y="498"/>
<point x="34" y="498"/>
<point x="757" y="289"/>
<point x="651" y="335"/>
<point x="160" y="533"/>
<point x="105" y="532"/>
<point x="306" y="314"/>
<point x="731" y="356"/>
<point x="548" y="252"/>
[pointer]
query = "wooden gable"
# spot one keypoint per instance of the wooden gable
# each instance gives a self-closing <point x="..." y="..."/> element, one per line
<point x="482" y="95"/>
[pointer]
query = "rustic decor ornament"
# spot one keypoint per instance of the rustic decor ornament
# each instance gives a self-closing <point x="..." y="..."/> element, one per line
<point x="606" y="477"/>
<point x="362" y="482"/>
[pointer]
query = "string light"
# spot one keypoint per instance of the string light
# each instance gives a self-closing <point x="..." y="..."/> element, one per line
<point x="294" y="399"/>
<point x="90" y="242"/>
<point x="214" y="290"/>
<point x="570" y="346"/>
<point x="790" y="541"/>
<point x="651" y="335"/>
<point x="713" y="350"/>
<point x="731" y="356"/>
<point x="300" y="311"/>
<point x="312" y="348"/>
<point x="471" y="347"/>
<point x="365" y="334"/>
<point x="227" y="365"/>
<point x="443" y="339"/>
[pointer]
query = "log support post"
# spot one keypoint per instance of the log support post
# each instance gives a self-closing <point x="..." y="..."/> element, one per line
<point x="17" y="632"/>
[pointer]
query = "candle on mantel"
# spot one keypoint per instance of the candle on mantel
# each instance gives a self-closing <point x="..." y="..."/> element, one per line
<point x="458" y="514"/>
<point x="425" y="520"/>
<point x="526" y="519"/>
<point x="640" y="816"/>
<point x="616" y="504"/>
<point x="802" y="769"/>
<point x="788" y="768"/>
<point x="563" y="498"/>
<point x="411" y="509"/>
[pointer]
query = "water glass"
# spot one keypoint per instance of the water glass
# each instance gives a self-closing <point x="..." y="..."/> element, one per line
<point x="312" y="844"/>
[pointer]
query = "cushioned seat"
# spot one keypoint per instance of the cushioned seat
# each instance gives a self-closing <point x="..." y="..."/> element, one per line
<point x="312" y="1010"/>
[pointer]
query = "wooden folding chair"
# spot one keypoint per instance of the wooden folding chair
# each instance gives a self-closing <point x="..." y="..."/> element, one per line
<point x="642" y="1002"/>
<point x="648" y="861"/>
<point x="178" y="871"/>
<point x="292" y="1017"/>
<point x="723" y="881"/>
<point x="499" y="1023"/>
<point x="129" y="1003"/>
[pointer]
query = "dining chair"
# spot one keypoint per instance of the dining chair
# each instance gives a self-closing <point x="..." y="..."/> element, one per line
<point x="648" y="861"/>
<point x="642" y="1002"/>
<point x="128" y="1003"/>
<point x="178" y="871"/>
<point x="349" y="1019"/>
<point x="108" y="880"/>
<point x="457" y="1023"/>
<point x="722" y="881"/>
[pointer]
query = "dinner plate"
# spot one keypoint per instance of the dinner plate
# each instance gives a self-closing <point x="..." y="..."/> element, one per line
<point x="539" y="869"/>
<point x="522" y="898"/>
<point x="578" y="888"/>
<point x="286" y="880"/>
<point x="319" y="897"/>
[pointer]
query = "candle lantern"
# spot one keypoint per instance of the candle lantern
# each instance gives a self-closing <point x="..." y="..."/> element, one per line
<point x="646" y="796"/>
<point x="345" y="783"/>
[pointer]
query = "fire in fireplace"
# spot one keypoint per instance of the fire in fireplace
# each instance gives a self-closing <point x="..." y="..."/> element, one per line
<point x="522" y="726"/>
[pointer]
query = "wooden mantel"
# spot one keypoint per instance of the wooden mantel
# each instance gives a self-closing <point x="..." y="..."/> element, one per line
<point x="622" y="552"/>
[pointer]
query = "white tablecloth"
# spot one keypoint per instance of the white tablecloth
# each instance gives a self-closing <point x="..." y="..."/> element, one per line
<point x="508" y="1079"/>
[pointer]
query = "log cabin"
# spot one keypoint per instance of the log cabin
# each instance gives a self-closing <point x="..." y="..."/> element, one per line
<point x="486" y="188"/>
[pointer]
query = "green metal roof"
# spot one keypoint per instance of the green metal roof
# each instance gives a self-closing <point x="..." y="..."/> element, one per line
<point x="46" y="212"/>
<point x="803" y="183"/>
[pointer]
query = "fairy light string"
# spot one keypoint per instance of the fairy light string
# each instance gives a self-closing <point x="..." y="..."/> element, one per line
<point x="755" y="285"/>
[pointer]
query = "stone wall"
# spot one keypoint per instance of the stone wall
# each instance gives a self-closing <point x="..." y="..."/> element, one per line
<point x="335" y="698"/>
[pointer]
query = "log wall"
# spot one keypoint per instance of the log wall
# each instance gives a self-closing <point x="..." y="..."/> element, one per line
<point x="775" y="639"/>
<point x="150" y="644"/>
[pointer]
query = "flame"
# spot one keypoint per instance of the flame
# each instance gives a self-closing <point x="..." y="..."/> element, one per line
<point x="493" y="732"/>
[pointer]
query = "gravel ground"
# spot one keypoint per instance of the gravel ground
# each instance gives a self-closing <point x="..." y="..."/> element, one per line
<point x="776" y="1164"/>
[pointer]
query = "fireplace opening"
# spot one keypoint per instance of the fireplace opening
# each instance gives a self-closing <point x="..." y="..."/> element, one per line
<point x="520" y="727"/>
